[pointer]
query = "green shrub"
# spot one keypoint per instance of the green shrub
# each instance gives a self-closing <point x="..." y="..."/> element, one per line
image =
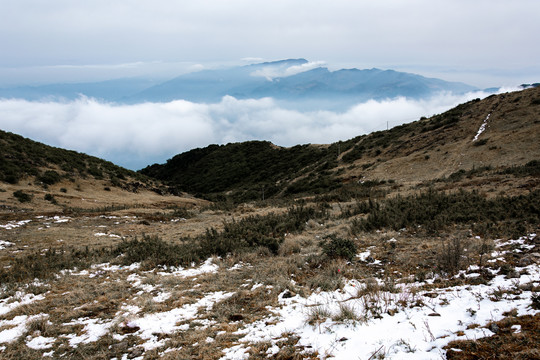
<point x="338" y="247"/>
<point x="50" y="197"/>
<point x="22" y="196"/>
<point x="152" y="251"/>
<point x="49" y="177"/>
<point x="436" y="210"/>
<point x="44" y="265"/>
<point x="532" y="168"/>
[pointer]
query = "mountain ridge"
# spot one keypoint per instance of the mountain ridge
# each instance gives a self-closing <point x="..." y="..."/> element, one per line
<point x="347" y="86"/>
<point x="417" y="152"/>
<point x="293" y="82"/>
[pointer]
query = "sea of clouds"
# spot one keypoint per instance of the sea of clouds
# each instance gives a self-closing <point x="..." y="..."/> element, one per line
<point x="138" y="135"/>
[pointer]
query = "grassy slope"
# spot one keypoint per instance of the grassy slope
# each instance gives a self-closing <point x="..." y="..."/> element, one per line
<point x="22" y="157"/>
<point x="34" y="176"/>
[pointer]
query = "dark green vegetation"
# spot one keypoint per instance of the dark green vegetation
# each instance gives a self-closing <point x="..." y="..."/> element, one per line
<point x="21" y="157"/>
<point x="251" y="170"/>
<point x="392" y="140"/>
<point x="256" y="169"/>
<point x="253" y="232"/>
<point x="22" y="196"/>
<point x="436" y="210"/>
<point x="336" y="247"/>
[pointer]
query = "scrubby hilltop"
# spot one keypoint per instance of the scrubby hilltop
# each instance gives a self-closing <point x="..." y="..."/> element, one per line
<point x="47" y="178"/>
<point x="498" y="132"/>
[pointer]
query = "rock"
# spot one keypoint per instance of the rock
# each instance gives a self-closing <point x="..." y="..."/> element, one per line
<point x="494" y="328"/>
<point x="287" y="294"/>
<point x="120" y="347"/>
<point x="512" y="275"/>
<point x="525" y="261"/>
<point x="236" y="317"/>
<point x="136" y="352"/>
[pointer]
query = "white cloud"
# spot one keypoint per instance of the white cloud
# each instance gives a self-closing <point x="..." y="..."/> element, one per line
<point x="273" y="71"/>
<point x="252" y="59"/>
<point x="138" y="135"/>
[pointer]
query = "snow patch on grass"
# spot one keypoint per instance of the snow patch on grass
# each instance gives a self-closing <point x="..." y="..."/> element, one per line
<point x="14" y="224"/>
<point x="416" y="329"/>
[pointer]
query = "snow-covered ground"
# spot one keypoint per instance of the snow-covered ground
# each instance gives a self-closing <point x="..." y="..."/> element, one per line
<point x="359" y="321"/>
<point x="403" y="325"/>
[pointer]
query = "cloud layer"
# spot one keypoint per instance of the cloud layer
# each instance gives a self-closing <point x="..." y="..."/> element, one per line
<point x="138" y="135"/>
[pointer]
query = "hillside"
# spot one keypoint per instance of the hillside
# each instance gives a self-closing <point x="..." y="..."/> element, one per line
<point x="428" y="229"/>
<point x="442" y="146"/>
<point x="44" y="178"/>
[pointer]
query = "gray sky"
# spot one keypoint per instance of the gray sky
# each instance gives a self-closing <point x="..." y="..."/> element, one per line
<point x="481" y="42"/>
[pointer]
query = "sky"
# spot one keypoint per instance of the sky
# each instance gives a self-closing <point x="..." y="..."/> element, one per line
<point x="482" y="42"/>
<point x="485" y="43"/>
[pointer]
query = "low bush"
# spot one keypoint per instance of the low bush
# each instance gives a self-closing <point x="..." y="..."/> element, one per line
<point x="152" y="251"/>
<point x="335" y="247"/>
<point x="532" y="168"/>
<point x="51" y="198"/>
<point x="22" y="196"/>
<point x="44" y="265"/>
<point x="450" y="257"/>
<point x="436" y="210"/>
<point x="49" y="177"/>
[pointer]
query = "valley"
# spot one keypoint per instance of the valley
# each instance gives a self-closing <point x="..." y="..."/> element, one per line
<point x="419" y="242"/>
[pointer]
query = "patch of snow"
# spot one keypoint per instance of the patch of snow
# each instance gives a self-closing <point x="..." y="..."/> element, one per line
<point x="20" y="298"/>
<point x="41" y="342"/>
<point x="256" y="286"/>
<point x="61" y="219"/>
<point x="166" y="322"/>
<point x="482" y="127"/>
<point x="14" y="224"/>
<point x="162" y="297"/>
<point x="206" y="268"/>
<point x="237" y="352"/>
<point x="16" y="327"/>
<point x="92" y="331"/>
<point x="5" y="244"/>
<point x="364" y="255"/>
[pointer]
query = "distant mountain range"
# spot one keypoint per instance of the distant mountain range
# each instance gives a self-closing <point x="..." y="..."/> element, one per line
<point x="293" y="81"/>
